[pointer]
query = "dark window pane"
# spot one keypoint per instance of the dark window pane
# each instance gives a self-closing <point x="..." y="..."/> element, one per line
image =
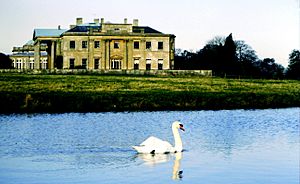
<point x="116" y="45"/>
<point x="72" y="44"/>
<point x="97" y="44"/>
<point x="160" y="45"/>
<point x="148" y="66"/>
<point x="148" y="45"/>
<point x="136" y="45"/>
<point x="72" y="63"/>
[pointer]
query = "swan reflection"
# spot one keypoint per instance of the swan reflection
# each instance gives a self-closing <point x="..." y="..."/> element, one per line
<point x="177" y="173"/>
<point x="154" y="159"/>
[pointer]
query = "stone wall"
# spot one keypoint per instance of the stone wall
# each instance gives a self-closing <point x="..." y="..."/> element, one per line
<point x="204" y="73"/>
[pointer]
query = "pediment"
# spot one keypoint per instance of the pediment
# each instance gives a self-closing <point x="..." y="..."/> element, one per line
<point x="117" y="57"/>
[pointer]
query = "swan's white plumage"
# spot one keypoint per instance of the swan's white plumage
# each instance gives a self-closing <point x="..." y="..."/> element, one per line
<point x="156" y="145"/>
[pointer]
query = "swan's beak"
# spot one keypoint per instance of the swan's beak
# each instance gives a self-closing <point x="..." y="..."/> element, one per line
<point x="181" y="127"/>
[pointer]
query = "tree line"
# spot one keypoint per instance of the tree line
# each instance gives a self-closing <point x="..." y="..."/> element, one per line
<point x="227" y="57"/>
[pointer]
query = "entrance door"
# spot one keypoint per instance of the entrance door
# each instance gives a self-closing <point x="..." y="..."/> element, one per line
<point x="116" y="64"/>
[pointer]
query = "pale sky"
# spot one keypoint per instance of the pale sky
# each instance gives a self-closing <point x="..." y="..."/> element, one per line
<point x="270" y="27"/>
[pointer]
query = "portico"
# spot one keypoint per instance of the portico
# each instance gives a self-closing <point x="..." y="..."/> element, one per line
<point x="50" y="38"/>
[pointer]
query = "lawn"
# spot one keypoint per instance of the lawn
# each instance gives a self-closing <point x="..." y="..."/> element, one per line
<point x="95" y="93"/>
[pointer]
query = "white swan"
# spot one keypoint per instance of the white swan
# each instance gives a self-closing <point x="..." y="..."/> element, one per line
<point x="155" y="145"/>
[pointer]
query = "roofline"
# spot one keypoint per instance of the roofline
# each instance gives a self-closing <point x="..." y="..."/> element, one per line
<point x="116" y="34"/>
<point x="58" y="36"/>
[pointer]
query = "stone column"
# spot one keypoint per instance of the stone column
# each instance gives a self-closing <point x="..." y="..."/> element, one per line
<point x="144" y="55"/>
<point x="130" y="54"/>
<point x="103" y="52"/>
<point x="51" y="66"/>
<point x="22" y="63"/>
<point x="125" y="65"/>
<point x="91" y="54"/>
<point x="107" y="54"/>
<point x="37" y="55"/>
<point x="27" y="60"/>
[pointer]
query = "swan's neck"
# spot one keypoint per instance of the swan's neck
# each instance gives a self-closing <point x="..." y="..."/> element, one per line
<point x="177" y="139"/>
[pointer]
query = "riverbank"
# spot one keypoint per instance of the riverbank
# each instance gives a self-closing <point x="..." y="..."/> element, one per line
<point x="27" y="93"/>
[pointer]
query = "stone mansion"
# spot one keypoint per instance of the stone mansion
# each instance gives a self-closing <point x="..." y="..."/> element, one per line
<point x="98" y="45"/>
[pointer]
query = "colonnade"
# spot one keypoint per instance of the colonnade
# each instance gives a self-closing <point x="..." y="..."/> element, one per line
<point x="51" y="54"/>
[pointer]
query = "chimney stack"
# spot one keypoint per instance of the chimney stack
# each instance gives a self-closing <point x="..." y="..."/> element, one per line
<point x="135" y="22"/>
<point x="79" y="21"/>
<point x="102" y="20"/>
<point x="96" y="21"/>
<point x="125" y="21"/>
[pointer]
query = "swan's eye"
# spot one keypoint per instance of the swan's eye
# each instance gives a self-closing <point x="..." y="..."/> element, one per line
<point x="181" y="125"/>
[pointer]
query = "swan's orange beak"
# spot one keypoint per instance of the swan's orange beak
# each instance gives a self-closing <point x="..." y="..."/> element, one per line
<point x="181" y="127"/>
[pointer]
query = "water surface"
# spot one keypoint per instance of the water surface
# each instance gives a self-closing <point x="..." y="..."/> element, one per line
<point x="227" y="146"/>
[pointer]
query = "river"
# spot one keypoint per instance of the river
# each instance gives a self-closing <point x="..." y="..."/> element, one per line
<point x="226" y="146"/>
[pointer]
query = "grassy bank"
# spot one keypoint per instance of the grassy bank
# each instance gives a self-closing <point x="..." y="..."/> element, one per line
<point x="92" y="93"/>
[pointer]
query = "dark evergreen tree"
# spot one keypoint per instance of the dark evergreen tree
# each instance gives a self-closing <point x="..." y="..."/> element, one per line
<point x="230" y="64"/>
<point x="5" y="62"/>
<point x="293" y="70"/>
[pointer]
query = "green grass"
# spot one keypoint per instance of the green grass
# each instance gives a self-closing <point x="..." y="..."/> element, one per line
<point x="86" y="93"/>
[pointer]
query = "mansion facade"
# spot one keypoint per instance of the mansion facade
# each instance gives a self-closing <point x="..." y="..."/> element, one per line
<point x="97" y="45"/>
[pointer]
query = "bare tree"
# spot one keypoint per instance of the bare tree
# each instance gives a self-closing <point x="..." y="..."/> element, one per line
<point x="217" y="40"/>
